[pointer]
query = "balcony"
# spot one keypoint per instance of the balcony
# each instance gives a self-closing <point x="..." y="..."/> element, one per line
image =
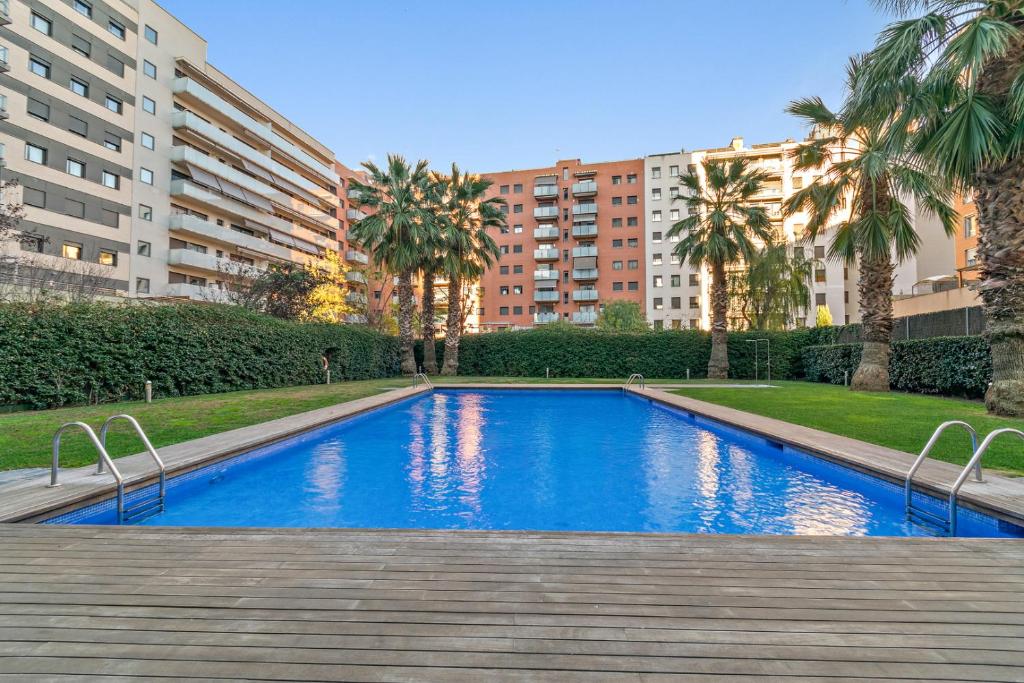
<point x="545" y="232"/>
<point x="356" y="298"/>
<point x="545" y="191"/>
<point x="4" y="65"/>
<point x="546" y="254"/>
<point x="354" y="256"/>
<point x="353" y="194"/>
<point x="356" y="319"/>
<point x="584" y="295"/>
<point x="199" y="292"/>
<point x="584" y="317"/>
<point x="356" y="277"/>
<point x="584" y="230"/>
<point x="579" y="252"/>
<point x="545" y="212"/>
<point x="5" y="12"/>
<point x="586" y="188"/>
<point x="545" y="275"/>
<point x="584" y="274"/>
<point x="546" y="296"/>
<point x="587" y="209"/>
<point x="4" y="114"/>
<point x="355" y="215"/>
<point x="545" y="318"/>
<point x="192" y="225"/>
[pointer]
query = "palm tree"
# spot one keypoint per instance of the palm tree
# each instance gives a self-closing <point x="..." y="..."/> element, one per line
<point x="871" y="164"/>
<point x="468" y="249"/>
<point x="720" y="231"/>
<point x="968" y="115"/>
<point x="396" y="232"/>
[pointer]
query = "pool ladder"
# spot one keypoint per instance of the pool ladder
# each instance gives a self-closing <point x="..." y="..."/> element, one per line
<point x="421" y="378"/>
<point x="915" y="513"/>
<point x="635" y="377"/>
<point x="140" y="509"/>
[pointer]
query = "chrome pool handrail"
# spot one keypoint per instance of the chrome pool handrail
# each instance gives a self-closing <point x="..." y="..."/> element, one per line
<point x="421" y="377"/>
<point x="104" y="458"/>
<point x="975" y="462"/>
<point x="909" y="508"/>
<point x="635" y="377"/>
<point x="149" y="449"/>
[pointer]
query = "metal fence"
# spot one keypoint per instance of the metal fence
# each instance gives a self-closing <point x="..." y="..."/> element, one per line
<point x="958" y="322"/>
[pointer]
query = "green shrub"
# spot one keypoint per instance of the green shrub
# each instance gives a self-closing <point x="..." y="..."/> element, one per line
<point x="53" y="355"/>
<point x="951" y="366"/>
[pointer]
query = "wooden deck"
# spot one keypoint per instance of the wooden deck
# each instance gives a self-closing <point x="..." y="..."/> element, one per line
<point x="316" y="605"/>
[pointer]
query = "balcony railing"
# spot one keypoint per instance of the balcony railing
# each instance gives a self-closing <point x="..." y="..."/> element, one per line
<point x="355" y="319"/>
<point x="545" y="212"/>
<point x="353" y="194"/>
<point x="545" y="191"/>
<point x="355" y="215"/>
<point x="3" y="107"/>
<point x="584" y="274"/>
<point x="584" y="209"/>
<point x="586" y="188"/>
<point x="4" y="65"/>
<point x="545" y="232"/>
<point x="584" y="295"/>
<point x="545" y="254"/>
<point x="545" y="275"/>
<point x="590" y="250"/>
<point x="584" y="230"/>
<point x="584" y="317"/>
<point x="544" y="318"/>
<point x="356" y="257"/>
<point x="545" y="295"/>
<point x="5" y="12"/>
<point x="356" y="298"/>
<point x="355" y="276"/>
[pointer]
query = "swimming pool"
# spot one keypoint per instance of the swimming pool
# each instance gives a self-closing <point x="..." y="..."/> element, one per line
<point x="538" y="459"/>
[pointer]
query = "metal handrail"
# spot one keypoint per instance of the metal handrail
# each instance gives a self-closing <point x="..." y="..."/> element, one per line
<point x="907" y="485"/>
<point x="974" y="462"/>
<point x="421" y="377"/>
<point x="635" y="377"/>
<point x="104" y="458"/>
<point x="145" y="442"/>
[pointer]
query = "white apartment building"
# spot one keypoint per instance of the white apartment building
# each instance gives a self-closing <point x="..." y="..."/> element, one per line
<point x="145" y="165"/>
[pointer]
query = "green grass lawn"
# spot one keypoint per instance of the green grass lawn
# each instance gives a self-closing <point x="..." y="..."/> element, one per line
<point x="904" y="422"/>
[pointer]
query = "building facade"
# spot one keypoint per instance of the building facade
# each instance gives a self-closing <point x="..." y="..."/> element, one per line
<point x="574" y="242"/>
<point x="145" y="167"/>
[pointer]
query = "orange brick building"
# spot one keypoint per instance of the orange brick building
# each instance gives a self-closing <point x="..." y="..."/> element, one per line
<point x="574" y="241"/>
<point x="966" y="240"/>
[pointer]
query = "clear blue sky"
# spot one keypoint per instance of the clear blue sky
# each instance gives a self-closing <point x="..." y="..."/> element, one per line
<point x="503" y="85"/>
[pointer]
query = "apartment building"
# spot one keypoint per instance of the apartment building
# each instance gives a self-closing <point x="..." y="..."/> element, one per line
<point x="966" y="240"/>
<point x="574" y="241"/>
<point x="365" y="292"/>
<point x="138" y="158"/>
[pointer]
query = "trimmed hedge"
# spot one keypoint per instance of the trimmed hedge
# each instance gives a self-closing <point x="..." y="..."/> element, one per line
<point x="56" y="355"/>
<point x="591" y="353"/>
<point x="951" y="366"/>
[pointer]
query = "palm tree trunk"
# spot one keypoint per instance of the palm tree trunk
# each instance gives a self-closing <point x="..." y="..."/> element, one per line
<point x="1001" y="253"/>
<point x="453" y="328"/>
<point x="874" y="285"/>
<point x="718" y="364"/>
<point x="405" y="313"/>
<point x="429" y="350"/>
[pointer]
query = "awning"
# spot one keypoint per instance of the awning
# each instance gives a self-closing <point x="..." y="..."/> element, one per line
<point x="232" y="190"/>
<point x="584" y="262"/>
<point x="257" y="227"/>
<point x="256" y="170"/>
<point x="202" y="177"/>
<point x="258" y="200"/>
<point x="295" y="189"/>
<point x="294" y="242"/>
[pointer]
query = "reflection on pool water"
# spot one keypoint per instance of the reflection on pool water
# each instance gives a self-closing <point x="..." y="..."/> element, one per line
<point x="583" y="460"/>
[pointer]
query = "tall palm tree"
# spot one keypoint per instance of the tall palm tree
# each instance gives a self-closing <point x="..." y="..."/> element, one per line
<point x="968" y="115"/>
<point x="719" y="231"/>
<point x="468" y="249"/>
<point x="396" y="231"/>
<point x="868" y="163"/>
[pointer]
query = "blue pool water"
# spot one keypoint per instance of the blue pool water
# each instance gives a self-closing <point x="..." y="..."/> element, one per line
<point x="581" y="460"/>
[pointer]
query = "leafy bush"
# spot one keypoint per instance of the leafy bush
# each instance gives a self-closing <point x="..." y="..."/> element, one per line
<point x="952" y="366"/>
<point x="53" y="355"/>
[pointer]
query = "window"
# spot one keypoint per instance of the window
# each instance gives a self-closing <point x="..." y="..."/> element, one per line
<point x="656" y="193"/>
<point x="517" y="208"/>
<point x="798" y="182"/>
<point x="42" y="24"/>
<point x="633" y="286"/>
<point x="616" y="244"/>
<point x="819" y="275"/>
<point x="517" y="249"/>
<point x="631" y="199"/>
<point x="633" y="264"/>
<point x="517" y="289"/>
<point x="116" y="28"/>
<point x="33" y="197"/>
<point x="675" y="281"/>
<point x="616" y="265"/>
<point x="616" y="222"/>
<point x="503" y="270"/>
<point x="111" y="180"/>
<point x="108" y="218"/>
<point x="656" y="216"/>
<point x="673" y="215"/>
<point x="142" y="285"/>
<point x="151" y="34"/>
<point x="616" y="180"/>
<point x="37" y="155"/>
<point x="71" y="250"/>
<point x="76" y="168"/>
<point x="518" y="187"/>
<point x="39" y="67"/>
<point x="656" y="237"/>
<point x="113" y="104"/>
<point x="655" y="259"/>
<point x="616" y="286"/>
<point x="145" y="176"/>
<point x="616" y="201"/>
<point x="79" y="87"/>
<point x="517" y="229"/>
<point x="655" y="172"/>
<point x="673" y="192"/>
<point x="503" y="249"/>
<point x="819" y="251"/>
<point x="694" y="302"/>
<point x="503" y="310"/>
<point x="819" y="300"/>
<point x="81" y="45"/>
<point x="73" y="207"/>
<point x="503" y="189"/>
<point x="631" y="179"/>
<point x="971" y="257"/>
<point x="798" y="253"/>
<point x="39" y="110"/>
<point x="78" y="126"/>
<point x="517" y="310"/>
<point x="632" y="242"/>
<point x="145" y="212"/>
<point x="658" y="281"/>
<point x="632" y="222"/>
<point x="107" y="257"/>
<point x="113" y="142"/>
<point x="148" y="141"/>
<point x="32" y="244"/>
<point x="144" y="248"/>
<point x="969" y="226"/>
<point x="149" y="68"/>
<point x="517" y="270"/>
<point x="673" y="171"/>
<point x="83" y="8"/>
<point x="694" y="280"/>
<point x="115" y="65"/>
<point x="659" y="303"/>
<point x="148" y="105"/>
<point x="677" y="302"/>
